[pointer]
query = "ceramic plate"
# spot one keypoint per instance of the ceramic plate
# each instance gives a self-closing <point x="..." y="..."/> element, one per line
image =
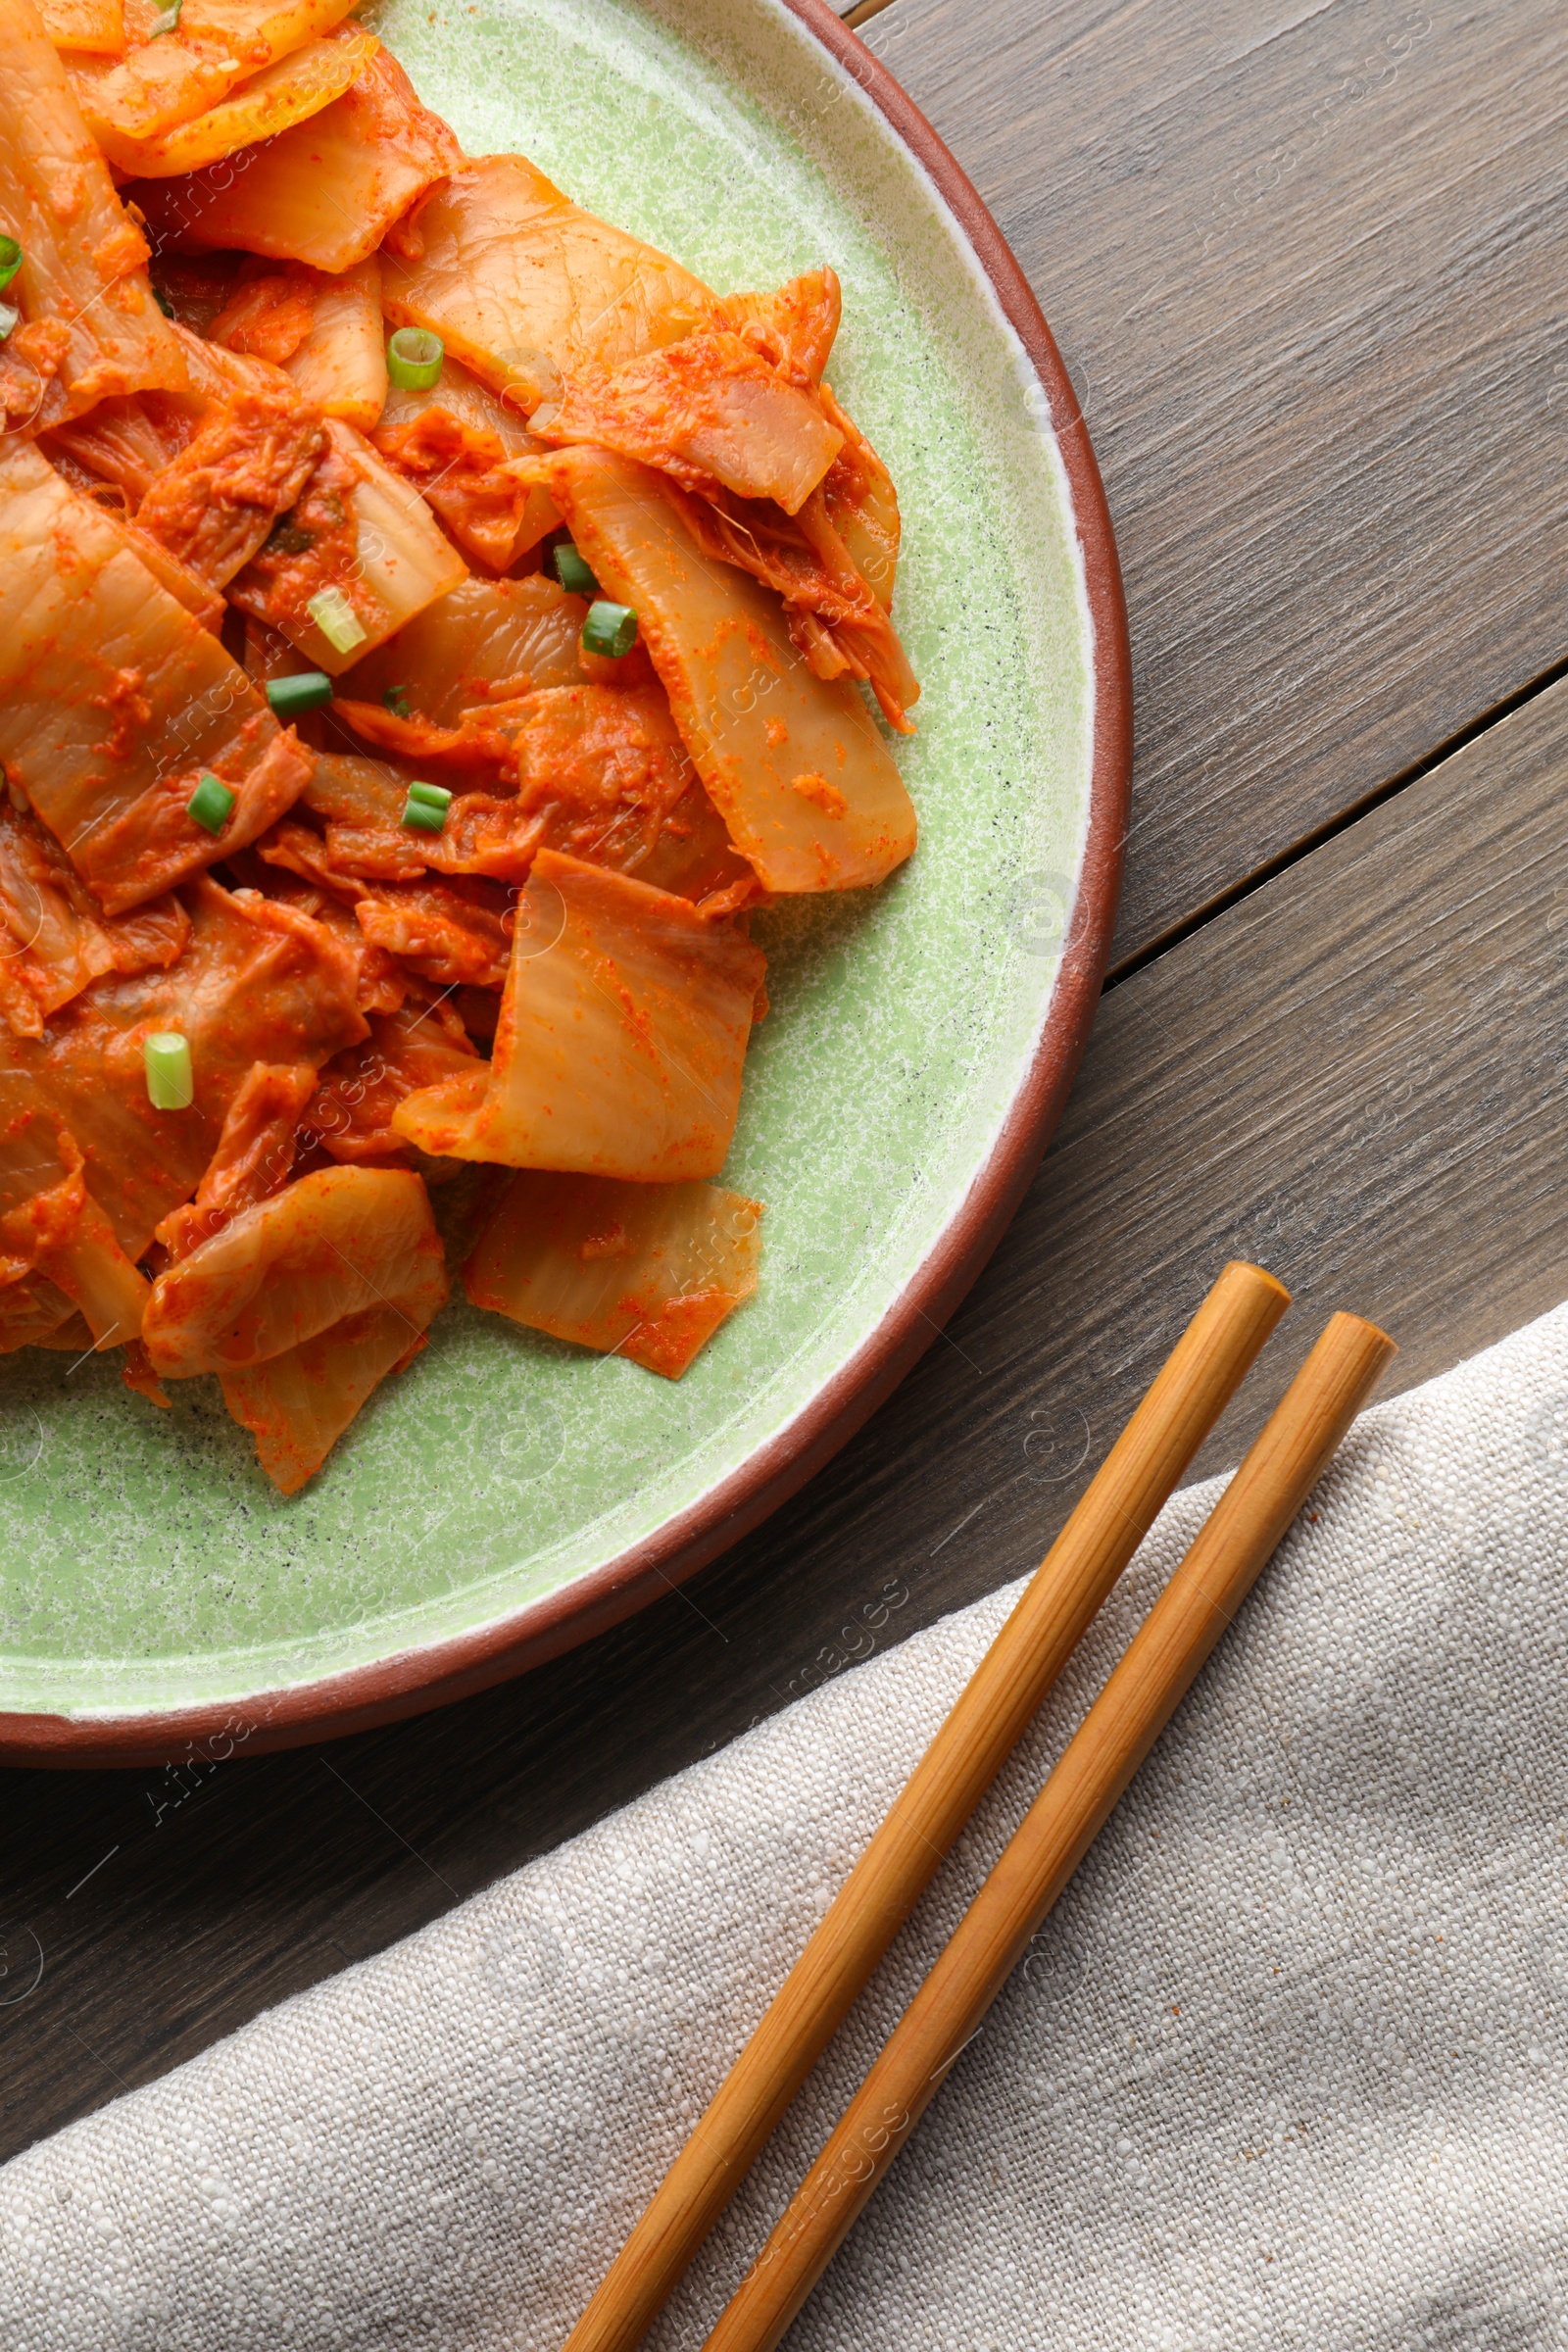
<point x="510" y="1495"/>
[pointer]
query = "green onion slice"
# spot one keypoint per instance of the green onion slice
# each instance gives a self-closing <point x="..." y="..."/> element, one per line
<point x="290" y="697"/>
<point x="573" y="573"/>
<point x="168" y="21"/>
<point x="211" y="802"/>
<point x="10" y="261"/>
<point x="336" y="619"/>
<point x="166" y="1056"/>
<point x="396" y="700"/>
<point x="435" y="796"/>
<point x="413" y="358"/>
<point x="610" y="629"/>
<point x="422" y="815"/>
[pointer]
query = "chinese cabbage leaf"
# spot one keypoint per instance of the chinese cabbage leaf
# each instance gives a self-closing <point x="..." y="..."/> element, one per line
<point x="793" y="761"/>
<point x="113" y="701"/>
<point x="621" y="1038"/>
<point x="522" y="285"/>
<point x="643" y="1270"/>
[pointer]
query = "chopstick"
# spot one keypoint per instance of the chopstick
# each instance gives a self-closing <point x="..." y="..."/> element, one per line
<point x="1117" y="1511"/>
<point x="1118" y="1731"/>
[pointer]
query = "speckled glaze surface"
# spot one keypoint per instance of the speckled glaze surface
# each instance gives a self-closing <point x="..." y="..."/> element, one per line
<point x="149" y="1569"/>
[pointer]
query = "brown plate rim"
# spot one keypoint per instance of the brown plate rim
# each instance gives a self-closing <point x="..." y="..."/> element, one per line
<point x="412" y="1680"/>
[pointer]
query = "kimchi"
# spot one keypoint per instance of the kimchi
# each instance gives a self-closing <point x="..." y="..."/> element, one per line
<point x="434" y="627"/>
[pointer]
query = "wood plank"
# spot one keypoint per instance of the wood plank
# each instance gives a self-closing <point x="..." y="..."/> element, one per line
<point x="1305" y="265"/>
<point x="1356" y="1075"/>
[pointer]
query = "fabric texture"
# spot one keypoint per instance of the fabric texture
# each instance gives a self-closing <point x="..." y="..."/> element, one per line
<point x="1285" y="2069"/>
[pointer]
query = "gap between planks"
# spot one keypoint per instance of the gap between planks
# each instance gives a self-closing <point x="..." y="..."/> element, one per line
<point x="1299" y="851"/>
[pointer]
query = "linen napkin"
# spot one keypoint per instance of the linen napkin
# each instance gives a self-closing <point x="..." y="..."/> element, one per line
<point x="1286" y="2067"/>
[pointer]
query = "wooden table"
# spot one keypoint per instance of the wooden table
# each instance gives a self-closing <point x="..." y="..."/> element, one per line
<point x="1304" y="259"/>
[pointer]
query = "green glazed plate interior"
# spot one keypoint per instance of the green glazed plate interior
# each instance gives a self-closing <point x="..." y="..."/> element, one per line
<point x="149" y="1566"/>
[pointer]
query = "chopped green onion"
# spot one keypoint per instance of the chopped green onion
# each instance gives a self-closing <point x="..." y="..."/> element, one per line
<point x="573" y="573"/>
<point x="289" y="697"/>
<point x="211" y="802"/>
<point x="413" y="358"/>
<point x="610" y="629"/>
<point x="10" y="261"/>
<point x="8" y="320"/>
<point x="425" y="809"/>
<point x="166" y="1056"/>
<point x="336" y="619"/>
<point x="396" y="700"/>
<point x="168" y="21"/>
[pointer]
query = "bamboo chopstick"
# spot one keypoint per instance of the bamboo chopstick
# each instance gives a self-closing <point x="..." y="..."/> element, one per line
<point x="1137" y="1478"/>
<point x="1116" y="1736"/>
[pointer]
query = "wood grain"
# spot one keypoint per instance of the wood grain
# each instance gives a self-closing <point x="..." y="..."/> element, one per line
<point x="1357" y="1077"/>
<point x="1143" y="1691"/>
<point x="1306" y="266"/>
<point x="988" y="1718"/>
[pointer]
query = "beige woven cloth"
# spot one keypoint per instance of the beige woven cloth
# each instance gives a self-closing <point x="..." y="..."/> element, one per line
<point x="1287" y="2067"/>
